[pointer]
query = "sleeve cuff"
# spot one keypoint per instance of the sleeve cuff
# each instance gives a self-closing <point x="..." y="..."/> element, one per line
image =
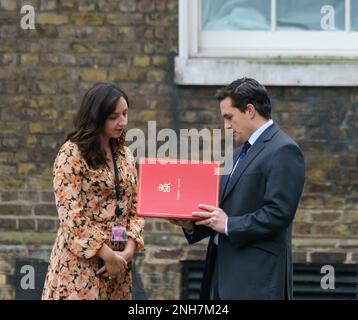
<point x="226" y="231"/>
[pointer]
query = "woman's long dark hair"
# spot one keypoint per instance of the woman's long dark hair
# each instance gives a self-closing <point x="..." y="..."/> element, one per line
<point x="97" y="105"/>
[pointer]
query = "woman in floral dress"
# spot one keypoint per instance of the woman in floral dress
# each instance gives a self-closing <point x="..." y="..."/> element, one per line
<point x="86" y="200"/>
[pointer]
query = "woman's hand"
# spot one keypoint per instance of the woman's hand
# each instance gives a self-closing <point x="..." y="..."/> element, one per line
<point x="115" y="264"/>
<point x="129" y="250"/>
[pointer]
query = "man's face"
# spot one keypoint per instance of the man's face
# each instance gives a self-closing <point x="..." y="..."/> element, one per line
<point x="241" y="123"/>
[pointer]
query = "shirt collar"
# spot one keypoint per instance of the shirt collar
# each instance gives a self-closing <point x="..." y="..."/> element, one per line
<point x="259" y="131"/>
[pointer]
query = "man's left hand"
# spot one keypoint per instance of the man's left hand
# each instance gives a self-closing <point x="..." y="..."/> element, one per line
<point x="215" y="218"/>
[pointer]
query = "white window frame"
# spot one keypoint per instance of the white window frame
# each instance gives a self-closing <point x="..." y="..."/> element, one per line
<point x="324" y="58"/>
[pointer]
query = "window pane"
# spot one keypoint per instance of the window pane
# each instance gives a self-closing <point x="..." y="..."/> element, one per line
<point x="354" y="14"/>
<point x="219" y="15"/>
<point x="310" y="15"/>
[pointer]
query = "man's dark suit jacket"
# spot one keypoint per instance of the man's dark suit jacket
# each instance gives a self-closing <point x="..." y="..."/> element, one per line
<point x="260" y="199"/>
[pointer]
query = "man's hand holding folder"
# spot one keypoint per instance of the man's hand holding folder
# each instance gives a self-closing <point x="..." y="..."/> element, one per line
<point x="215" y="218"/>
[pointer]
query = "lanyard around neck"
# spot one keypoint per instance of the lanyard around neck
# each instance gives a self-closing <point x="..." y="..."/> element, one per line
<point x="119" y="211"/>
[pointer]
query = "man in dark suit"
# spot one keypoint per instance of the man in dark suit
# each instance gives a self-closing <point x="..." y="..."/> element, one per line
<point x="249" y="252"/>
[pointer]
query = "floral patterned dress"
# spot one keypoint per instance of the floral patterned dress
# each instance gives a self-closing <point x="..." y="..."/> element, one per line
<point x="86" y="201"/>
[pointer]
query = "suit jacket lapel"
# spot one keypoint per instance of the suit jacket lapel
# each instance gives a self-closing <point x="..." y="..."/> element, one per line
<point x="251" y="155"/>
<point x="253" y="152"/>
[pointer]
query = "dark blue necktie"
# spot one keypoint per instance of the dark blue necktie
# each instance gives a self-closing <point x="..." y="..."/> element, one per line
<point x="242" y="155"/>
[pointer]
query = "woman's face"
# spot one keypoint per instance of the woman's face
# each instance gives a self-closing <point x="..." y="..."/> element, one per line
<point x="117" y="121"/>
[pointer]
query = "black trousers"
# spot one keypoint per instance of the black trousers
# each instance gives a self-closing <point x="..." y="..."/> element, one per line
<point x="214" y="283"/>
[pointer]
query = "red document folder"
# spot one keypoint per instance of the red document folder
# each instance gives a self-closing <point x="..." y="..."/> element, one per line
<point x="175" y="189"/>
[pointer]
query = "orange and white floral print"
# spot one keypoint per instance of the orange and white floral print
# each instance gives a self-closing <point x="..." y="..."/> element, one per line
<point x="86" y="201"/>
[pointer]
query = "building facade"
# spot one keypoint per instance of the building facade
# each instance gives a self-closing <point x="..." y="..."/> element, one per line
<point x="146" y="47"/>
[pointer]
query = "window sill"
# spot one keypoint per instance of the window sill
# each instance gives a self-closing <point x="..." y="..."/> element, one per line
<point x="270" y="72"/>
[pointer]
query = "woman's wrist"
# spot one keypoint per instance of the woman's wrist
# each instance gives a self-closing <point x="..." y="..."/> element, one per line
<point x="128" y="255"/>
<point x="129" y="249"/>
<point x="105" y="253"/>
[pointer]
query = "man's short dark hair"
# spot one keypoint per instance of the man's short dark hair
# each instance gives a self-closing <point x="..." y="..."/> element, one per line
<point x="246" y="91"/>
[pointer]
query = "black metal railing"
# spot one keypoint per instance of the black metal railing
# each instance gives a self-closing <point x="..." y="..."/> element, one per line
<point x="306" y="281"/>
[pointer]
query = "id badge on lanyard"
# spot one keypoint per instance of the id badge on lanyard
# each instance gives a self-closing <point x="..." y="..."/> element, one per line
<point x="119" y="234"/>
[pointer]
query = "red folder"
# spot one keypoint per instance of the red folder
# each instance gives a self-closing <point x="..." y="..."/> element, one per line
<point x="175" y="189"/>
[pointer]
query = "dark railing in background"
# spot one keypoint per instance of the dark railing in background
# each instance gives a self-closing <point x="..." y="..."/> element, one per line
<point x="40" y="270"/>
<point x="306" y="281"/>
